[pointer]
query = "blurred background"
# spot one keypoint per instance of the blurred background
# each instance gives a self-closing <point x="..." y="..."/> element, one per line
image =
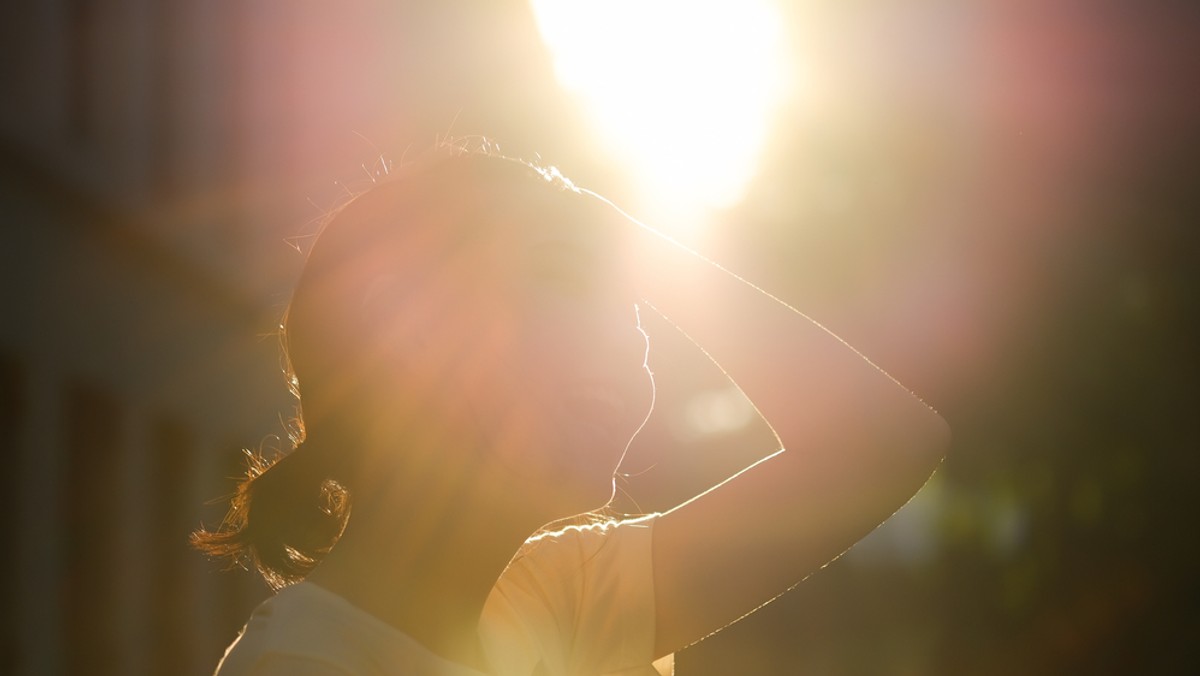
<point x="995" y="200"/>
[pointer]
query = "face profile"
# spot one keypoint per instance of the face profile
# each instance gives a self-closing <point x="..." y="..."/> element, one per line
<point x="570" y="355"/>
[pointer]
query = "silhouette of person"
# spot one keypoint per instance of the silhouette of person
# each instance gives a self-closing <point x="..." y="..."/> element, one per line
<point x="466" y="342"/>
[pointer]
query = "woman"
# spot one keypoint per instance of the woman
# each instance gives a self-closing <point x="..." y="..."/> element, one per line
<point x="467" y="342"/>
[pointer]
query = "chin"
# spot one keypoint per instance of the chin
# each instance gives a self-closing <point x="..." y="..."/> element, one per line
<point x="582" y="496"/>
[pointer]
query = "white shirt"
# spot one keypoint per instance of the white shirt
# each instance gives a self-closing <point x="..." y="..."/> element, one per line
<point x="574" y="602"/>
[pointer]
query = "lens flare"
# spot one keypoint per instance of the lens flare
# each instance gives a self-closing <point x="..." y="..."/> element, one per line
<point x="681" y="92"/>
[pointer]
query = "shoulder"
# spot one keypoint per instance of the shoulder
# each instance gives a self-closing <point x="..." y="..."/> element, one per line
<point x="578" y="598"/>
<point x="593" y="534"/>
<point x="305" y="629"/>
<point x="287" y="633"/>
<point x="584" y="549"/>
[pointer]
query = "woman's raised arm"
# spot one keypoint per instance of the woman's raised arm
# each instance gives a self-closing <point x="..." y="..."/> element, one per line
<point x="856" y="446"/>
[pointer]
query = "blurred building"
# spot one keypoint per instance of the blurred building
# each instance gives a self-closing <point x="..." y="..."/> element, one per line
<point x="161" y="164"/>
<point x="131" y="367"/>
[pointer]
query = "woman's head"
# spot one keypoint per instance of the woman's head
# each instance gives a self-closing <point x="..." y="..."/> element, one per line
<point x="477" y="295"/>
<point x="471" y="315"/>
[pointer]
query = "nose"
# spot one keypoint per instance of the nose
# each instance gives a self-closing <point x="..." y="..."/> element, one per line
<point x="626" y="351"/>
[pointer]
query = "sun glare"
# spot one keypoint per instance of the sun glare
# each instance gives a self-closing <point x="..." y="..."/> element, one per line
<point x="681" y="92"/>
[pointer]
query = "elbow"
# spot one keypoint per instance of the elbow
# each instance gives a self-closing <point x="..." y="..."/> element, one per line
<point x="939" y="443"/>
<point x="908" y="457"/>
<point x="910" y="440"/>
<point x="928" y="442"/>
<point x="937" y="435"/>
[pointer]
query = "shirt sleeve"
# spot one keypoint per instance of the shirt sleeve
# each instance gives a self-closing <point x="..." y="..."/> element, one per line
<point x="576" y="601"/>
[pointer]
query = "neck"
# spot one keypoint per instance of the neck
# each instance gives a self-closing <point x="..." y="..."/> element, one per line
<point x="424" y="558"/>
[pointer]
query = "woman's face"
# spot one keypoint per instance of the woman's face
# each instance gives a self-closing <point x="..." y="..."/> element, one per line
<point x="547" y="360"/>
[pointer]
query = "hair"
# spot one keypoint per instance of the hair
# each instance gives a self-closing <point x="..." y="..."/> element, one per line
<point x="289" y="510"/>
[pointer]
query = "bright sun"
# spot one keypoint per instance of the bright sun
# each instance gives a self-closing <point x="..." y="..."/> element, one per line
<point x="680" y="91"/>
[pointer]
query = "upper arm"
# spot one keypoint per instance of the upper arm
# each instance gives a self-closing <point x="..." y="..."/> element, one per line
<point x="858" y="446"/>
<point x="737" y="546"/>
